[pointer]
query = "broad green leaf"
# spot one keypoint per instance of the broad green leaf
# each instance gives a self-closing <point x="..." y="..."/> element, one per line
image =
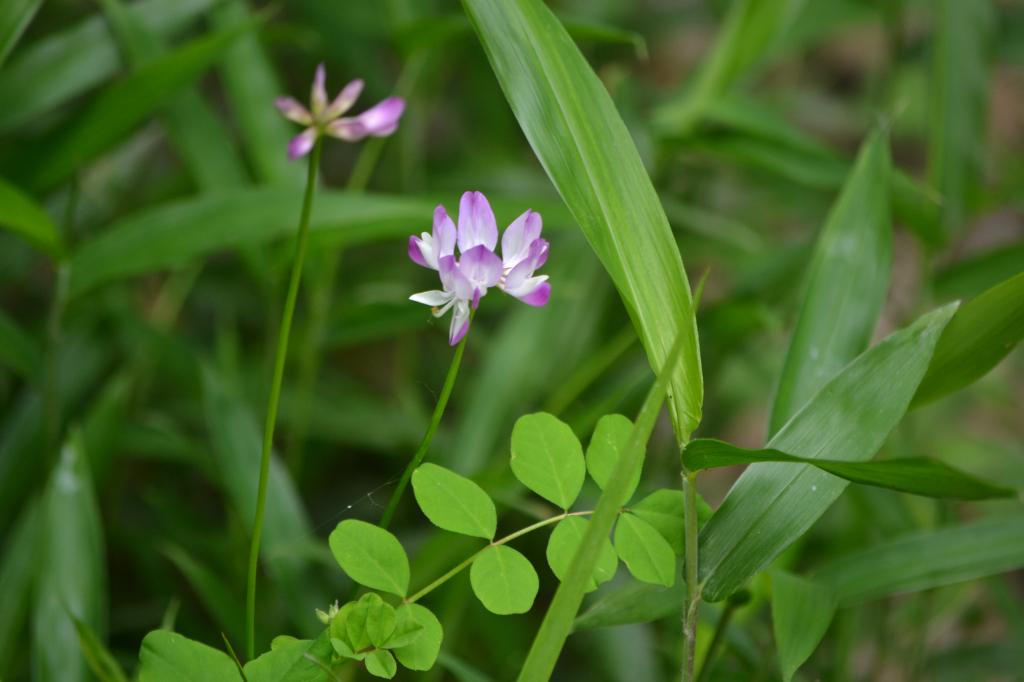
<point x="802" y="610"/>
<point x="663" y="509"/>
<point x="407" y="629"/>
<point x="606" y="445"/>
<point x="454" y="502"/>
<point x="647" y="555"/>
<point x="371" y="556"/>
<point x="250" y="82"/>
<point x="120" y="108"/>
<point x="235" y="440"/>
<point x="982" y="333"/>
<point x="381" y="663"/>
<point x="958" y="104"/>
<point x="547" y="458"/>
<point x="422" y="652"/>
<point x="846" y="285"/>
<point x="503" y="580"/>
<point x="633" y="602"/>
<point x="572" y="125"/>
<point x="557" y="623"/>
<point x="169" y="657"/>
<point x="563" y="543"/>
<point x="20" y="214"/>
<point x="15" y="16"/>
<point x="72" y="61"/>
<point x="773" y="504"/>
<point x="915" y="475"/>
<point x="17" y="349"/>
<point x="99" y="659"/>
<point x="178" y="233"/>
<point x="18" y="567"/>
<point x="70" y="582"/>
<point x="928" y="559"/>
<point x="295" y="660"/>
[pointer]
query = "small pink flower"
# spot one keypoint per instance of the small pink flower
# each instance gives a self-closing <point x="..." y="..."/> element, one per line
<point x="466" y="280"/>
<point x="323" y="118"/>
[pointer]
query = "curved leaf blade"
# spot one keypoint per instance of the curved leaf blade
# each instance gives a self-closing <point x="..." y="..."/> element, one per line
<point x="371" y="556"/>
<point x="453" y="502"/>
<point x="15" y="16"/>
<point x="802" y="610"/>
<point x="575" y="131"/>
<point x="547" y="458"/>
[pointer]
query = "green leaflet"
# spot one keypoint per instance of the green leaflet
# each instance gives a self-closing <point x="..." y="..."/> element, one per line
<point x="565" y="539"/>
<point x="119" y="109"/>
<point x="773" y="504"/>
<point x="20" y="214"/>
<point x="847" y="281"/>
<point x="547" y="458"/>
<point x="371" y="556"/>
<point x="802" y="610"/>
<point x="916" y="475"/>
<point x="575" y="131"/>
<point x="297" y="660"/>
<point x="70" y="580"/>
<point x="663" y="509"/>
<point x="982" y="333"/>
<point x="645" y="552"/>
<point x="169" y="657"/>
<point x="958" y="103"/>
<point x="453" y="502"/>
<point x="606" y="445"/>
<point x="504" y="580"/>
<point x="927" y="559"/>
<point x="422" y="652"/>
<point x="68" y="63"/>
<point x="380" y="663"/>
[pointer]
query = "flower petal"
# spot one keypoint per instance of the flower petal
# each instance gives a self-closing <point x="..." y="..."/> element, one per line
<point x="318" y="93"/>
<point x="301" y="143"/>
<point x="432" y="298"/>
<point x="345" y="99"/>
<point x="421" y="251"/>
<point x="293" y="110"/>
<point x="539" y="253"/>
<point x="515" y="243"/>
<point x="476" y="222"/>
<point x="460" y="323"/>
<point x="481" y="267"/>
<point x="380" y="121"/>
<point x="535" y="291"/>
<point x="444" y="232"/>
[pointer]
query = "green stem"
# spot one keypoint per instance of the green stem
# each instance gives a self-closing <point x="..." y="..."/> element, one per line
<point x="716" y="640"/>
<point x="301" y="244"/>
<point x="692" y="587"/>
<point x="472" y="557"/>
<point x="435" y="421"/>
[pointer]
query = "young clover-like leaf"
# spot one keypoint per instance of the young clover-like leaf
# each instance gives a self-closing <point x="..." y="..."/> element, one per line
<point x="381" y="663"/>
<point x="298" y="660"/>
<point x="453" y="502"/>
<point x="562" y="545"/>
<point x="342" y="648"/>
<point x="547" y="458"/>
<point x="407" y="628"/>
<point x="421" y="652"/>
<point x="504" y="580"/>
<point x="371" y="556"/>
<point x="370" y="621"/>
<point x="664" y="509"/>
<point x="647" y="554"/>
<point x="801" y="612"/>
<point x="606" y="445"/>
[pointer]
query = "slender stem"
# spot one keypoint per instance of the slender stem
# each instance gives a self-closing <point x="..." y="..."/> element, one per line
<point x="472" y="557"/>
<point x="301" y="244"/>
<point x="692" y="587"/>
<point x="717" y="639"/>
<point x="435" y="421"/>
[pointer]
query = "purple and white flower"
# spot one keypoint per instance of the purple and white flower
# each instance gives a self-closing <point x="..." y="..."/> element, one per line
<point x="466" y="277"/>
<point x="325" y="118"/>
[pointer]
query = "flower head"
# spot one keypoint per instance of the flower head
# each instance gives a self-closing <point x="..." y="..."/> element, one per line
<point x="325" y="118"/>
<point x="465" y="279"/>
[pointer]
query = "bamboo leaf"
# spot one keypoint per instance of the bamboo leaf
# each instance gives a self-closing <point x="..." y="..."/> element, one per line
<point x="982" y="333"/>
<point x="928" y="559"/>
<point x="802" y="610"/>
<point x="915" y="475"/>
<point x="15" y="16"/>
<point x="575" y="131"/>
<point x="20" y="214"/>
<point x="67" y="63"/>
<point x="846" y="283"/>
<point x="70" y="580"/>
<point x="958" y="103"/>
<point x="773" y="504"/>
